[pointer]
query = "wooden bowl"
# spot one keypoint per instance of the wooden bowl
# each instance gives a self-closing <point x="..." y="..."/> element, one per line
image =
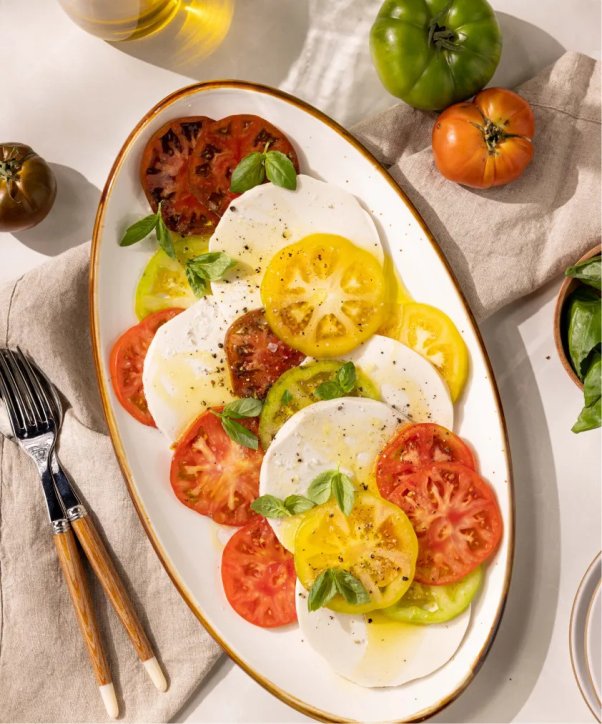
<point x="568" y="286"/>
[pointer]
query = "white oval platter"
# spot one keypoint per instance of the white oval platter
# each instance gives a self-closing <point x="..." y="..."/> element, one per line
<point x="188" y="544"/>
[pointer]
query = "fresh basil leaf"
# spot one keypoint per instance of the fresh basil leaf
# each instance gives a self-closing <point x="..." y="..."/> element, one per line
<point x="344" y="492"/>
<point x="213" y="264"/>
<point x="239" y="433"/>
<point x="329" y="390"/>
<point x="592" y="384"/>
<point x="346" y="377"/>
<point x="322" y="591"/>
<point x="249" y="172"/>
<point x="198" y="281"/>
<point x="270" y="507"/>
<point x="590" y="417"/>
<point x="296" y="504"/>
<point x="320" y="488"/>
<point x="164" y="237"/>
<point x="350" y="587"/>
<point x="245" y="407"/>
<point x="140" y="229"/>
<point x="280" y="170"/>
<point x="588" y="271"/>
<point x="286" y="398"/>
<point x="585" y="327"/>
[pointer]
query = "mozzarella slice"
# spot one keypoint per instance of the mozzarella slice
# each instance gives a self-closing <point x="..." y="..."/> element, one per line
<point x="371" y="650"/>
<point x="405" y="380"/>
<point x="266" y="218"/>
<point x="185" y="370"/>
<point x="346" y="433"/>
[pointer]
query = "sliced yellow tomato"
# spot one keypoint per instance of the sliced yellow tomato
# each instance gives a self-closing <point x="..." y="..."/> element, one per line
<point x="163" y="283"/>
<point x="324" y="295"/>
<point x="376" y="543"/>
<point x="431" y="333"/>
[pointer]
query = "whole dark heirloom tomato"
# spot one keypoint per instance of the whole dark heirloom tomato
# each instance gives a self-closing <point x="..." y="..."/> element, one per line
<point x="27" y="187"/>
<point x="485" y="142"/>
<point x="431" y="53"/>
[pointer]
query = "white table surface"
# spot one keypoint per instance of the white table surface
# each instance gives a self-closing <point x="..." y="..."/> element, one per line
<point x="74" y="98"/>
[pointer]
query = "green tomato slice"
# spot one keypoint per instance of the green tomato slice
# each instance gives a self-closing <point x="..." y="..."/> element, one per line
<point x="296" y="389"/>
<point x="163" y="283"/>
<point x="424" y="604"/>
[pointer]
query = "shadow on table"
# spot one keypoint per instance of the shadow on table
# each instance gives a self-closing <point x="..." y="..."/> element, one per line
<point x="510" y="672"/>
<point x="256" y="40"/>
<point x="527" y="50"/>
<point x="70" y="220"/>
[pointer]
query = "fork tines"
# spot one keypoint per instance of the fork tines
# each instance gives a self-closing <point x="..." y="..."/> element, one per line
<point x="27" y="403"/>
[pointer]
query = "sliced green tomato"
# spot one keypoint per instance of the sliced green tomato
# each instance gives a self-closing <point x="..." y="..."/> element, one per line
<point x="296" y="389"/>
<point x="163" y="283"/>
<point x="424" y="604"/>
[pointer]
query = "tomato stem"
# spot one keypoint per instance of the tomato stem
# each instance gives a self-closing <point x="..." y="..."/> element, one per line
<point x="9" y="170"/>
<point x="440" y="36"/>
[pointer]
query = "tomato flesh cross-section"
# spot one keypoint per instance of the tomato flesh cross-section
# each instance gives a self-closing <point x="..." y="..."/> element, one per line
<point x="456" y="517"/>
<point x="258" y="574"/>
<point x="324" y="295"/>
<point x="374" y="543"/>
<point x="127" y="363"/>
<point x="214" y="475"/>
<point x="415" y="447"/>
<point x="256" y="357"/>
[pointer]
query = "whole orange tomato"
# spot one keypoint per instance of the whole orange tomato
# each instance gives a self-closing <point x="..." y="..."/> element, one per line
<point x="485" y="142"/>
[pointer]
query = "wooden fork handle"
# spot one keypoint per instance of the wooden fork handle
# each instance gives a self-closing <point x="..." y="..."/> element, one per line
<point x="75" y="575"/>
<point x="105" y="570"/>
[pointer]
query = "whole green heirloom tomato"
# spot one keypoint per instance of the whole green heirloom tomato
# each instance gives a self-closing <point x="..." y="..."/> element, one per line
<point x="432" y="53"/>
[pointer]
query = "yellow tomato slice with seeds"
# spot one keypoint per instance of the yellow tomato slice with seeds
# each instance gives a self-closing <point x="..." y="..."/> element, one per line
<point x="163" y="284"/>
<point x="431" y="333"/>
<point x="376" y="543"/>
<point x="324" y="295"/>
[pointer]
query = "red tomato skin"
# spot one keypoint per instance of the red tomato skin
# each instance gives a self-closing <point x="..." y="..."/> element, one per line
<point x="127" y="372"/>
<point x="460" y="148"/>
<point x="258" y="575"/>
<point x="456" y="517"/>
<point x="254" y="367"/>
<point x="416" y="446"/>
<point x="228" y="479"/>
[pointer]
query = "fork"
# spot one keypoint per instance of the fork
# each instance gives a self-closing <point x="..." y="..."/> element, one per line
<point x="34" y="428"/>
<point x="91" y="542"/>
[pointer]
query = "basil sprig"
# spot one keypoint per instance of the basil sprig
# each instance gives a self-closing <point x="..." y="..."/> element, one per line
<point x="333" y="581"/>
<point x="333" y="483"/>
<point x="206" y="268"/>
<point x="344" y="383"/>
<point x="254" y="168"/>
<point x="238" y="410"/>
<point x="321" y="489"/>
<point x="272" y="507"/>
<point x="143" y="227"/>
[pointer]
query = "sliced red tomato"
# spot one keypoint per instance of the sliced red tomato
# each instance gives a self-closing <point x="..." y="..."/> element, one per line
<point x="127" y="361"/>
<point x="214" y="475"/>
<point x="258" y="574"/>
<point x="256" y="357"/>
<point x="456" y="518"/>
<point x="220" y="147"/>
<point x="418" y="446"/>
<point x="164" y="176"/>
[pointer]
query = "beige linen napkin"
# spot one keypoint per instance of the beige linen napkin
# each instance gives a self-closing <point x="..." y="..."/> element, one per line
<point x="44" y="670"/>
<point x="502" y="243"/>
<point x="506" y="242"/>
